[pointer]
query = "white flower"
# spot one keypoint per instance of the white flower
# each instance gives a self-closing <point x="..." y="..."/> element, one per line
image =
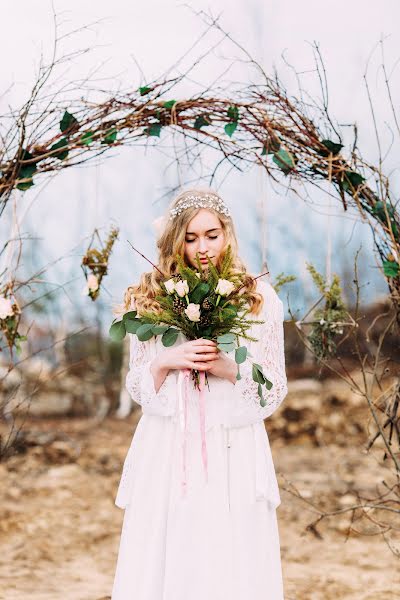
<point x="322" y="321"/>
<point x="182" y="288"/>
<point x="224" y="287"/>
<point x="193" y="311"/>
<point x="91" y="286"/>
<point x="170" y="285"/>
<point x="6" y="309"/>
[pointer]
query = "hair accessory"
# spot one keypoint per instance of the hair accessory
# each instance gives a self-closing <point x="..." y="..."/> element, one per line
<point x="204" y="201"/>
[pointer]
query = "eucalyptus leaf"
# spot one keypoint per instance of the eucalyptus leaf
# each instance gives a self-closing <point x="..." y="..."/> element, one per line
<point x="130" y="315"/>
<point x="240" y="355"/>
<point x="144" y="332"/>
<point x="169" y="337"/>
<point x="226" y="347"/>
<point x="257" y="375"/>
<point x="226" y="338"/>
<point x="117" y="331"/>
<point x="262" y="401"/>
<point x="132" y="325"/>
<point x="159" y="329"/>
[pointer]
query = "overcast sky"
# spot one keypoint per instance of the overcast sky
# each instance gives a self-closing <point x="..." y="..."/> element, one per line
<point x="128" y="187"/>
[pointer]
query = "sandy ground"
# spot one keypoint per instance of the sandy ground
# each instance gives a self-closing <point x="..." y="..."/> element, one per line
<point x="59" y="527"/>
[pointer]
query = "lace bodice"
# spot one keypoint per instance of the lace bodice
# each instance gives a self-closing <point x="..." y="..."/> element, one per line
<point x="236" y="404"/>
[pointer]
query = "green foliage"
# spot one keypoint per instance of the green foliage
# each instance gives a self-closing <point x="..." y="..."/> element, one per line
<point x="331" y="148"/>
<point x="285" y="160"/>
<point x="281" y="280"/>
<point x="230" y="128"/>
<point x="233" y="116"/>
<point x="26" y="171"/>
<point x="153" y="130"/>
<point x="169" y="104"/>
<point x="110" y="136"/>
<point x="202" y="121"/>
<point x="87" y="138"/>
<point x="327" y="321"/>
<point x="220" y="318"/>
<point x="391" y="268"/>
<point x="271" y="146"/>
<point x="62" y="146"/>
<point x="68" y="124"/>
<point x="351" y="181"/>
<point x="144" y="90"/>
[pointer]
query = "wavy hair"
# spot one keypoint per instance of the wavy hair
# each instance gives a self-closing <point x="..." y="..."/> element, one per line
<point x="171" y="242"/>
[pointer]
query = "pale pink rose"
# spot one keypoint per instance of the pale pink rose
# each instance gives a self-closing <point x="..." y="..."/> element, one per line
<point x="6" y="309"/>
<point x="182" y="288"/>
<point x="170" y="285"/>
<point x="224" y="287"/>
<point x="193" y="312"/>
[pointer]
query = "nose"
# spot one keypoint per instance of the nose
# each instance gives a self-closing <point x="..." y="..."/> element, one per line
<point x="203" y="245"/>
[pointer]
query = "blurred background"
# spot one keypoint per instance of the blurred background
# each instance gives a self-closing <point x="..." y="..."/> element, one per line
<point x="67" y="398"/>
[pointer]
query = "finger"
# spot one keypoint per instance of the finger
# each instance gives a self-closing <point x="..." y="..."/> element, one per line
<point x="203" y="342"/>
<point x="205" y="349"/>
<point x="204" y="357"/>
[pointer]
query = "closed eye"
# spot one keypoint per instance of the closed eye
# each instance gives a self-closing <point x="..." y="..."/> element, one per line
<point x="211" y="237"/>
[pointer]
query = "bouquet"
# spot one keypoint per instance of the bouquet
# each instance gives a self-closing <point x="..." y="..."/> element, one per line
<point x="208" y="304"/>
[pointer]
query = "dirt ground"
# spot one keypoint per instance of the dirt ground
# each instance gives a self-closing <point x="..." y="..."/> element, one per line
<point x="59" y="527"/>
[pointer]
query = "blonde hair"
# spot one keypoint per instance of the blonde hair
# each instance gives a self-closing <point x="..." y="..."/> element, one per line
<point x="171" y="242"/>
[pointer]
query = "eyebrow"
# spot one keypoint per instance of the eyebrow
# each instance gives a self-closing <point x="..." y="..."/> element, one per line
<point x="208" y="231"/>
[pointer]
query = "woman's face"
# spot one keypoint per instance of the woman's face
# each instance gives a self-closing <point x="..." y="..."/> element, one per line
<point x="204" y="235"/>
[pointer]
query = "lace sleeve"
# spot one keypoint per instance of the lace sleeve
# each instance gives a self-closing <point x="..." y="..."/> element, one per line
<point x="140" y="382"/>
<point x="268" y="352"/>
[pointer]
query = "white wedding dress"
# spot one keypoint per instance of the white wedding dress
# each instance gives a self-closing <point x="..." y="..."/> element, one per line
<point x="220" y="540"/>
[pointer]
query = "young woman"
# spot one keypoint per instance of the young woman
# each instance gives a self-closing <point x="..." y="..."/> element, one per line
<point x="219" y="540"/>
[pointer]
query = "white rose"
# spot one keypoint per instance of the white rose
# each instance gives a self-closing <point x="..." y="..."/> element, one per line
<point x="6" y="309"/>
<point x="224" y="287"/>
<point x="170" y="285"/>
<point x="182" y="288"/>
<point x="193" y="311"/>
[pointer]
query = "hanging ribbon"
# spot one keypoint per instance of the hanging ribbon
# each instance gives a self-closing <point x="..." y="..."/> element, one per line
<point x="183" y="398"/>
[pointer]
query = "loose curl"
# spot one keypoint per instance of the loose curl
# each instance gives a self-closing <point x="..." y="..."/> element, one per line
<point x="170" y="243"/>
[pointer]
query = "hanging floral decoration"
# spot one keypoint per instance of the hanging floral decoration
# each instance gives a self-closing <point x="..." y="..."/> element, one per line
<point x="95" y="262"/>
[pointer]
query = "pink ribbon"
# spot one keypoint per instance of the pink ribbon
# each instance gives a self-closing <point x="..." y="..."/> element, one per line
<point x="186" y="374"/>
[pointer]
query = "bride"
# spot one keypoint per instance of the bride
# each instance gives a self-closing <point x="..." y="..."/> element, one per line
<point x="212" y="538"/>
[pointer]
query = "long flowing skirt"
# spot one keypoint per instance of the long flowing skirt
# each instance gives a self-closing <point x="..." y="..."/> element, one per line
<point x="216" y="542"/>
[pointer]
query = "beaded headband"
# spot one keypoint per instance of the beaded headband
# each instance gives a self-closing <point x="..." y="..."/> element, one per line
<point x="205" y="201"/>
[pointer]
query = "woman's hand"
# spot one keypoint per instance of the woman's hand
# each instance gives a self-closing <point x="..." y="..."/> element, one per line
<point x="224" y="367"/>
<point x="197" y="354"/>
